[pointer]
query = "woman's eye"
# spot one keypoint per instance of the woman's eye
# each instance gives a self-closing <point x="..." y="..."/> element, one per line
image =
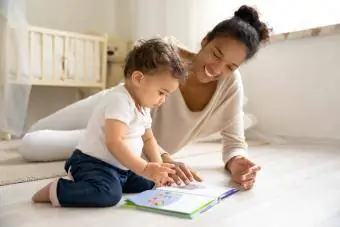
<point x="230" y="68"/>
<point x="215" y="55"/>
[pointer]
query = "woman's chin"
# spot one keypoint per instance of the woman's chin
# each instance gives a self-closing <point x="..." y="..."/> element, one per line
<point x="204" y="79"/>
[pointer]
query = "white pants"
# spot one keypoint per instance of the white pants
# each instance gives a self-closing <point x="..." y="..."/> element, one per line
<point x="55" y="137"/>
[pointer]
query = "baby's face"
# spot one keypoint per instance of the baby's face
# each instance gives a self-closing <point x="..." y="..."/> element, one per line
<point x="154" y="89"/>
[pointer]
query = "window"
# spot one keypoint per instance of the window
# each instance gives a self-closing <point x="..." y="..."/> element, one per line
<point x="281" y="15"/>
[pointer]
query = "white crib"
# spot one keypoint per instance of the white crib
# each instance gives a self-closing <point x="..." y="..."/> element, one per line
<point x="65" y="59"/>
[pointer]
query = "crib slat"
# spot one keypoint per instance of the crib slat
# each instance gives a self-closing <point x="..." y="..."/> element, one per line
<point x="85" y="60"/>
<point x="30" y="54"/>
<point x="53" y="56"/>
<point x="95" y="72"/>
<point x="64" y="60"/>
<point x="103" y="76"/>
<point x="94" y="63"/>
<point x="97" y="58"/>
<point x="75" y="62"/>
<point x="42" y="62"/>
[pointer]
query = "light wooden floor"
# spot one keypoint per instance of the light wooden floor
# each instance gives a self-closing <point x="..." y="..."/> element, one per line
<point x="299" y="185"/>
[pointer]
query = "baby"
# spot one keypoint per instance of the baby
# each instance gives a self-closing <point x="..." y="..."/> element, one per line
<point x="107" y="161"/>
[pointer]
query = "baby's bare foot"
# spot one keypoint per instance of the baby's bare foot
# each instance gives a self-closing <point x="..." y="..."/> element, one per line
<point x="43" y="195"/>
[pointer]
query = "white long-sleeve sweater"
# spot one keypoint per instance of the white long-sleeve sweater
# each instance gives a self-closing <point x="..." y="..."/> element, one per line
<point x="174" y="125"/>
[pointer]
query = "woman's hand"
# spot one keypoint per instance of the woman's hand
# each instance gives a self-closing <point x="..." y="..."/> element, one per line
<point x="184" y="174"/>
<point x="243" y="172"/>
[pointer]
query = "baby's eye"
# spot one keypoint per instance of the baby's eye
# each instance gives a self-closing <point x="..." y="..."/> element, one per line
<point x="161" y="93"/>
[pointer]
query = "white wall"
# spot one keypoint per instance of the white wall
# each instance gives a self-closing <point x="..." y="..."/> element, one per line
<point x="165" y="18"/>
<point x="122" y="18"/>
<point x="294" y="88"/>
<point x="74" y="15"/>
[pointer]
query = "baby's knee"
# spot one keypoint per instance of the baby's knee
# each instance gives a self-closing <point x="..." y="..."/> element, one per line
<point x="107" y="198"/>
<point x="81" y="194"/>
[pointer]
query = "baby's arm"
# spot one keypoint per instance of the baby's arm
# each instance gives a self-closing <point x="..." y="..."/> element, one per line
<point x="115" y="131"/>
<point x="157" y="172"/>
<point x="151" y="148"/>
<point x="119" y="113"/>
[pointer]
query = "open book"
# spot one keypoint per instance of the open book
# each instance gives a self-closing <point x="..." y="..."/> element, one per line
<point x="182" y="201"/>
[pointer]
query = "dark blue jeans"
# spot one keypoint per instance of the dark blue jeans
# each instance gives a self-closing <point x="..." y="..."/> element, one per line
<point x="97" y="183"/>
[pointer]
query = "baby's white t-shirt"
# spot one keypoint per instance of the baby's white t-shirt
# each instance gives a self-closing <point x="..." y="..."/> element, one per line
<point x="119" y="105"/>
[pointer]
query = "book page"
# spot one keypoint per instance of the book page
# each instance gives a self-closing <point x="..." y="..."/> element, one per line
<point x="201" y="189"/>
<point x="170" y="201"/>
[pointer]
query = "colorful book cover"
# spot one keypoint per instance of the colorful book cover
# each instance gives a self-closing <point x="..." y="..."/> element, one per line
<point x="183" y="201"/>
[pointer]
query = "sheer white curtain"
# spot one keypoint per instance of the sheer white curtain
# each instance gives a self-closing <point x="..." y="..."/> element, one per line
<point x="14" y="81"/>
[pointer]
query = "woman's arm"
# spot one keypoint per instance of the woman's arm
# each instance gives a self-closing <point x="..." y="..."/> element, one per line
<point x="235" y="154"/>
<point x="233" y="139"/>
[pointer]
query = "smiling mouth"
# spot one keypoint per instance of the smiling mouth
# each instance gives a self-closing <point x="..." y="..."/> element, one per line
<point x="207" y="72"/>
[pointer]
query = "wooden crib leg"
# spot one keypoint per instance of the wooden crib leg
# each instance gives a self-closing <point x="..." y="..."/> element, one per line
<point x="79" y="94"/>
<point x="5" y="136"/>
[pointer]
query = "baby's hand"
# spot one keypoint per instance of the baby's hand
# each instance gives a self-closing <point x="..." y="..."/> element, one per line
<point x="159" y="172"/>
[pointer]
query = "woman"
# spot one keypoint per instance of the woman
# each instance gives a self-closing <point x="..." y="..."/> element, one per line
<point x="210" y="101"/>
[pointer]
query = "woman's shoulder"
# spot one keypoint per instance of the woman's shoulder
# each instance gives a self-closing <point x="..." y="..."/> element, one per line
<point x="234" y="80"/>
<point x="185" y="53"/>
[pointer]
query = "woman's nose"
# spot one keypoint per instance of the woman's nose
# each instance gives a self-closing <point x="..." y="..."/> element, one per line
<point x="217" y="68"/>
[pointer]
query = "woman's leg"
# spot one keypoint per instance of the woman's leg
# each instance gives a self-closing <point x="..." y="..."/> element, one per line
<point x="72" y="117"/>
<point x="49" y="145"/>
<point x="56" y="136"/>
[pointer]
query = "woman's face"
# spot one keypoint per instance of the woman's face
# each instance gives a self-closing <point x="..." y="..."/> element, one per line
<point x="218" y="58"/>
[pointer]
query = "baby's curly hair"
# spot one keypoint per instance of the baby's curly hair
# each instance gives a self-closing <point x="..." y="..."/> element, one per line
<point x="154" y="56"/>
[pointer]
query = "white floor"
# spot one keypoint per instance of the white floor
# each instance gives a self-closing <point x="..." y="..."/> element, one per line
<point x="299" y="185"/>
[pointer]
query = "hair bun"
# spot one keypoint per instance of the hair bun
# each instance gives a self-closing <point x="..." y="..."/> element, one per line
<point x="250" y="15"/>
